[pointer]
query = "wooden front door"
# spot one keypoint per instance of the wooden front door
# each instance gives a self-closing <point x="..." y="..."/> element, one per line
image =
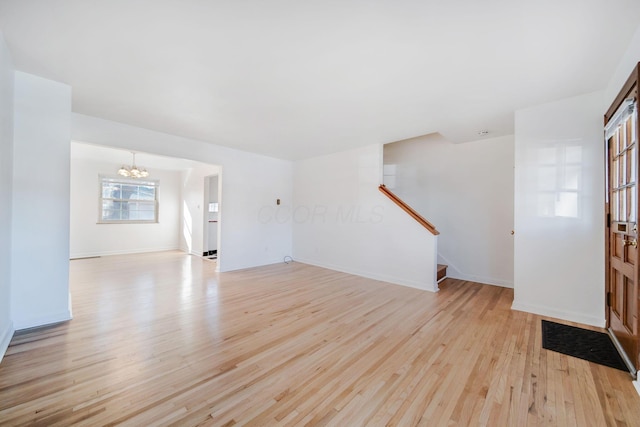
<point x="622" y="232"/>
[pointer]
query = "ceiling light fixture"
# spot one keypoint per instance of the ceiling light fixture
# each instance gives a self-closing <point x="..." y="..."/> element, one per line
<point x="133" y="171"/>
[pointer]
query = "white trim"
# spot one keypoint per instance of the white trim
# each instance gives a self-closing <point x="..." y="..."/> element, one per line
<point x="559" y="314"/>
<point x="227" y="269"/>
<point x="384" y="278"/>
<point x="133" y="181"/>
<point x="627" y="108"/>
<point x="6" y="339"/>
<point x="455" y="273"/>
<point x="636" y="384"/>
<point x="482" y="280"/>
<point x="121" y="179"/>
<point x="123" y="252"/>
<point x="70" y="307"/>
<point x="35" y="322"/>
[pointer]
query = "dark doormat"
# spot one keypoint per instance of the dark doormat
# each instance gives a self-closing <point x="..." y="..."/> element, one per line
<point x="589" y="345"/>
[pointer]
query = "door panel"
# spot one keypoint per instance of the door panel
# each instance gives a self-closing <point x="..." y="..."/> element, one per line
<point x="622" y="236"/>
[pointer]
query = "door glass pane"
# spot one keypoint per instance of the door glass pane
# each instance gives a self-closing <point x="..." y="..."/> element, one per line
<point x="632" y="164"/>
<point x="620" y="143"/>
<point x="631" y="202"/>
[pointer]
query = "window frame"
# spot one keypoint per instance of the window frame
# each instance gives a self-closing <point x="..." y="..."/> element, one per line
<point x="132" y="181"/>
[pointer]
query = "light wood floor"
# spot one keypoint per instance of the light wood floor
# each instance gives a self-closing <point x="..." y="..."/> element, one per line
<point x="161" y="339"/>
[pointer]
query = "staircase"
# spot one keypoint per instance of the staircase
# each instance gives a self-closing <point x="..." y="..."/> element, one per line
<point x="442" y="273"/>
<point x="425" y="282"/>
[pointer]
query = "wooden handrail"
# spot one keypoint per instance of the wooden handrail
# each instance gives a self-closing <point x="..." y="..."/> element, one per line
<point x="408" y="209"/>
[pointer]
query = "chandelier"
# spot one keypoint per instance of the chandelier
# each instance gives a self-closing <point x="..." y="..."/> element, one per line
<point x="133" y="171"/>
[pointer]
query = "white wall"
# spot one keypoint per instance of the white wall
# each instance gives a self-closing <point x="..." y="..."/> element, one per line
<point x="624" y="68"/>
<point x="466" y="191"/>
<point x="249" y="182"/>
<point x="341" y="221"/>
<point x="559" y="244"/>
<point x="40" y="240"/>
<point x="6" y="182"/>
<point x="88" y="238"/>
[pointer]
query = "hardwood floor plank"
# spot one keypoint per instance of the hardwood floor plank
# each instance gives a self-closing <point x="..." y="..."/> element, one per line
<point x="162" y="339"/>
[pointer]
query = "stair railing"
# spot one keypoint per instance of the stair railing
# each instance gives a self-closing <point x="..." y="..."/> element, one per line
<point x="408" y="209"/>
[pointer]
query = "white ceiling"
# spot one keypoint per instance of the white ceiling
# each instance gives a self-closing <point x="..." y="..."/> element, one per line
<point x="294" y="79"/>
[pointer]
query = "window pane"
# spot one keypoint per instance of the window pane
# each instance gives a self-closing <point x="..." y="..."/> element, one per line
<point x="125" y="200"/>
<point x="142" y="206"/>
<point x="110" y="215"/>
<point x="147" y="215"/>
<point x="146" y="192"/>
<point x="129" y="191"/>
<point x="110" y="190"/>
<point x="142" y="215"/>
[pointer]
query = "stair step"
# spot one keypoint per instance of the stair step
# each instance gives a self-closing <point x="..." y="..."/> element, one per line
<point x="442" y="272"/>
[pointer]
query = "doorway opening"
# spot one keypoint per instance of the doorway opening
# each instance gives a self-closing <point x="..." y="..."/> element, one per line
<point x="212" y="218"/>
<point x="181" y="211"/>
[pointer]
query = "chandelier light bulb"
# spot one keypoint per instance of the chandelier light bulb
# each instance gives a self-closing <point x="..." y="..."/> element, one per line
<point x="133" y="171"/>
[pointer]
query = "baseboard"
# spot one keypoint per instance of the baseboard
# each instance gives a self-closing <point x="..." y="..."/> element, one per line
<point x="121" y="252"/>
<point x="34" y="322"/>
<point x="226" y="268"/>
<point x="381" y="277"/>
<point x="70" y="307"/>
<point x="481" y="279"/>
<point x="636" y="384"/>
<point x="5" y="339"/>
<point x="559" y="314"/>
<point x="455" y="273"/>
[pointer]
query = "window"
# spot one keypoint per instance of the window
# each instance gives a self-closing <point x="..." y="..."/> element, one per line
<point x="128" y="201"/>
